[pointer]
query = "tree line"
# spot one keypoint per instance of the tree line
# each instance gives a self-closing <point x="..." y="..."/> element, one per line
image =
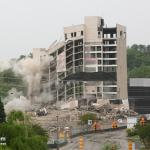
<point x="138" y="61"/>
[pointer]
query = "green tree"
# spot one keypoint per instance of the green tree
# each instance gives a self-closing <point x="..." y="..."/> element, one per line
<point x="144" y="133"/>
<point x="15" y="116"/>
<point x="2" y="112"/>
<point x="88" y="116"/>
<point x="110" y="146"/>
<point x="21" y="134"/>
<point x="140" y="72"/>
<point x="138" y="61"/>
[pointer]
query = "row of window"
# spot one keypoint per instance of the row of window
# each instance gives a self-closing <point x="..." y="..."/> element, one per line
<point x="73" y="34"/>
<point x="105" y="69"/>
<point x="106" y="42"/>
<point x="93" y="48"/>
<point x="107" y="89"/>
<point x="98" y="55"/>
<point x="112" y="35"/>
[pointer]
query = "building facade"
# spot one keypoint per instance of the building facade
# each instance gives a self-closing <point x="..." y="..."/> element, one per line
<point x="90" y="63"/>
<point x="139" y="95"/>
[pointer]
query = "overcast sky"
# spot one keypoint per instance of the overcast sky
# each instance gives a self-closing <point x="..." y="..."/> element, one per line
<point x="27" y="24"/>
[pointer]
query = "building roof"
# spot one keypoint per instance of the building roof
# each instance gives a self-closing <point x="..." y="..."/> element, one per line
<point x="139" y="82"/>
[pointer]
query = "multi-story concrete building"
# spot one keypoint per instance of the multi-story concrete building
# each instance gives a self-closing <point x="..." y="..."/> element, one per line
<point x="90" y="62"/>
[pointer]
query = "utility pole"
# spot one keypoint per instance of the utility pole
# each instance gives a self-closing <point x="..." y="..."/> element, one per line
<point x="57" y="134"/>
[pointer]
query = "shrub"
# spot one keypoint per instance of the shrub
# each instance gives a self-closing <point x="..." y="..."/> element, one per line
<point x="110" y="146"/>
<point x="88" y="116"/>
<point x="144" y="134"/>
<point x="131" y="132"/>
<point x="21" y="134"/>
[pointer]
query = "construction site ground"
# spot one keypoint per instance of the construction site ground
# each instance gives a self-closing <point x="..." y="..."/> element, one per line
<point x="69" y="118"/>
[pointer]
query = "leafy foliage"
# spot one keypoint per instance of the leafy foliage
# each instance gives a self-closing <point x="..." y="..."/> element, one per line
<point x="2" y="112"/>
<point x="144" y="133"/>
<point x="131" y="132"/>
<point x="110" y="146"/>
<point x="21" y="134"/>
<point x="138" y="61"/>
<point x="88" y="116"/>
<point x="141" y="72"/>
<point x="15" y="116"/>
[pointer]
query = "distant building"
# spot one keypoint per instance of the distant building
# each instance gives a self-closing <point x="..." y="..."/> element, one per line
<point x="139" y="95"/>
<point x="90" y="63"/>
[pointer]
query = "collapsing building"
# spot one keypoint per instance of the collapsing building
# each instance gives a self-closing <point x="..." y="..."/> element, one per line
<point x="90" y="63"/>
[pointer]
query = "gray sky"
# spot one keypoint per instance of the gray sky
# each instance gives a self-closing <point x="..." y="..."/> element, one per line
<point x="27" y="24"/>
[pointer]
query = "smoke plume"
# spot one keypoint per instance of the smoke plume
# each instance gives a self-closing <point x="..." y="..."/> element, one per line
<point x="36" y="76"/>
<point x="15" y="101"/>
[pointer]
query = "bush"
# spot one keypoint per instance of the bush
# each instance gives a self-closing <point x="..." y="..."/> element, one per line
<point x="110" y="146"/>
<point x="15" y="116"/>
<point x="21" y="134"/>
<point x="88" y="116"/>
<point x="2" y="112"/>
<point x="144" y="134"/>
<point x="131" y="132"/>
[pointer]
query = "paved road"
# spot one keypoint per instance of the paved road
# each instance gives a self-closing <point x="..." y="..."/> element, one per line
<point x="97" y="140"/>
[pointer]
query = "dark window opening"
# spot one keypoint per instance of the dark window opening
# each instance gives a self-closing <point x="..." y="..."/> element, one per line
<point x="111" y="35"/>
<point x="102" y="22"/>
<point x="78" y="63"/>
<point x="79" y="68"/>
<point x="93" y="48"/>
<point x="78" y="56"/>
<point x="60" y="50"/>
<point x="69" y="59"/>
<point x="121" y="33"/>
<point x="109" y="62"/>
<point x="81" y="32"/>
<point x="79" y="42"/>
<point x="98" y="89"/>
<point x="99" y="62"/>
<point x="69" y="52"/>
<point x="109" y="48"/>
<point x="69" y="45"/>
<point x="71" y="34"/>
<point x="69" y="65"/>
<point x="75" y="34"/>
<point x="98" y="48"/>
<point x="112" y="62"/>
<point x="98" y="55"/>
<point x="99" y="69"/>
<point x="78" y="49"/>
<point x="65" y="36"/>
<point x="117" y="101"/>
<point x="93" y="56"/>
